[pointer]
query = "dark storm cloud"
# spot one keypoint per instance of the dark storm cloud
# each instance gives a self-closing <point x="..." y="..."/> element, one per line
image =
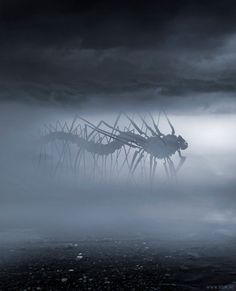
<point x="116" y="51"/>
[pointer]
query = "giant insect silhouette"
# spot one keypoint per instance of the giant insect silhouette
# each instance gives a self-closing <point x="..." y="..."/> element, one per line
<point x="157" y="145"/>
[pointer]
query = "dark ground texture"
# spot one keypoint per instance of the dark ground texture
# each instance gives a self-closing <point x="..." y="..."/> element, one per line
<point x="110" y="264"/>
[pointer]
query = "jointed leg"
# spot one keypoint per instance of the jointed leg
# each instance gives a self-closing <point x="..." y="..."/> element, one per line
<point x="76" y="159"/>
<point x="154" y="169"/>
<point x="126" y="160"/>
<point x="181" y="162"/>
<point x="156" y="125"/>
<point x="172" y="169"/>
<point x="133" y="159"/>
<point x="151" y="166"/>
<point x="137" y="162"/>
<point x="166" y="169"/>
<point x="136" y="126"/>
<point x="170" y="124"/>
<point x="148" y="127"/>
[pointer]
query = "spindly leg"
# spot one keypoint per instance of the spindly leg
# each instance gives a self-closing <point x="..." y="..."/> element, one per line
<point x="133" y="159"/>
<point x="154" y="169"/>
<point x="170" y="124"/>
<point x="103" y="122"/>
<point x="84" y="162"/>
<point x="115" y="124"/>
<point x="96" y="162"/>
<point x="94" y="130"/>
<point x="97" y="128"/>
<point x="55" y="142"/>
<point x="65" y="144"/>
<point x="126" y="160"/>
<point x="172" y="168"/>
<point x="119" y="155"/>
<point x="76" y="159"/>
<point x="181" y="162"/>
<point x="93" y="170"/>
<point x="77" y="128"/>
<point x="136" y="126"/>
<point x="144" y="166"/>
<point x="61" y="158"/>
<point x="116" y="161"/>
<point x="151" y="165"/>
<point x="114" y="128"/>
<point x="166" y="169"/>
<point x="124" y="141"/>
<point x="137" y="162"/>
<point x="156" y="125"/>
<point x="72" y="124"/>
<point x="69" y="157"/>
<point x="105" y="166"/>
<point x="102" y="166"/>
<point x="111" y="165"/>
<point x="147" y="126"/>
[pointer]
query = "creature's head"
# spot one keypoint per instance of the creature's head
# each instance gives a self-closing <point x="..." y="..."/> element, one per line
<point x="182" y="143"/>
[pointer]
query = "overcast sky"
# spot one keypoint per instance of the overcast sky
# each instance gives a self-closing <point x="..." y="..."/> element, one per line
<point x="126" y="52"/>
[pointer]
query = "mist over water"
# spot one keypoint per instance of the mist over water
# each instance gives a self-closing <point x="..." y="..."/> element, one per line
<point x="37" y="205"/>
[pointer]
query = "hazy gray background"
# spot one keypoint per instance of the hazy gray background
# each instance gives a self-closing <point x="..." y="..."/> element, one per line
<point x="35" y="205"/>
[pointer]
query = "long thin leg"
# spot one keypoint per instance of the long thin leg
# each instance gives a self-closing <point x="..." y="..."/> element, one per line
<point x="65" y="143"/>
<point x="85" y="132"/>
<point x="115" y="124"/>
<point x="172" y="169"/>
<point x="144" y="166"/>
<point x="97" y="164"/>
<point x="84" y="163"/>
<point x="136" y="126"/>
<point x="61" y="159"/>
<point x="148" y="127"/>
<point x="154" y="169"/>
<point x="116" y="162"/>
<point x="70" y="156"/>
<point x="126" y="160"/>
<point x="156" y="125"/>
<point x="51" y="129"/>
<point x="105" y="167"/>
<point x="166" y="169"/>
<point x="78" y="127"/>
<point x="102" y="167"/>
<point x="76" y="159"/>
<point x="181" y="162"/>
<point x="151" y="165"/>
<point x="133" y="159"/>
<point x="170" y="124"/>
<point x="111" y="165"/>
<point x="72" y="124"/>
<point x="97" y="128"/>
<point x="116" y="137"/>
<point x="137" y="162"/>
<point x="78" y="164"/>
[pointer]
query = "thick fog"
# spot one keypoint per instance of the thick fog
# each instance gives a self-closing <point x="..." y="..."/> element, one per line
<point x="36" y="204"/>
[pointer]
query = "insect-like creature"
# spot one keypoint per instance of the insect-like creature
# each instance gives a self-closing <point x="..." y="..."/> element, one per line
<point x="158" y="146"/>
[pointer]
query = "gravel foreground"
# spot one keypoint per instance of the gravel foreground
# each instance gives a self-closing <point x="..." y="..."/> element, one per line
<point x="110" y="264"/>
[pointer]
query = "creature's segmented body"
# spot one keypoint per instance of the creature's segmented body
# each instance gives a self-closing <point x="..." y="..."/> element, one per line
<point x="89" y="146"/>
<point x="157" y="146"/>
